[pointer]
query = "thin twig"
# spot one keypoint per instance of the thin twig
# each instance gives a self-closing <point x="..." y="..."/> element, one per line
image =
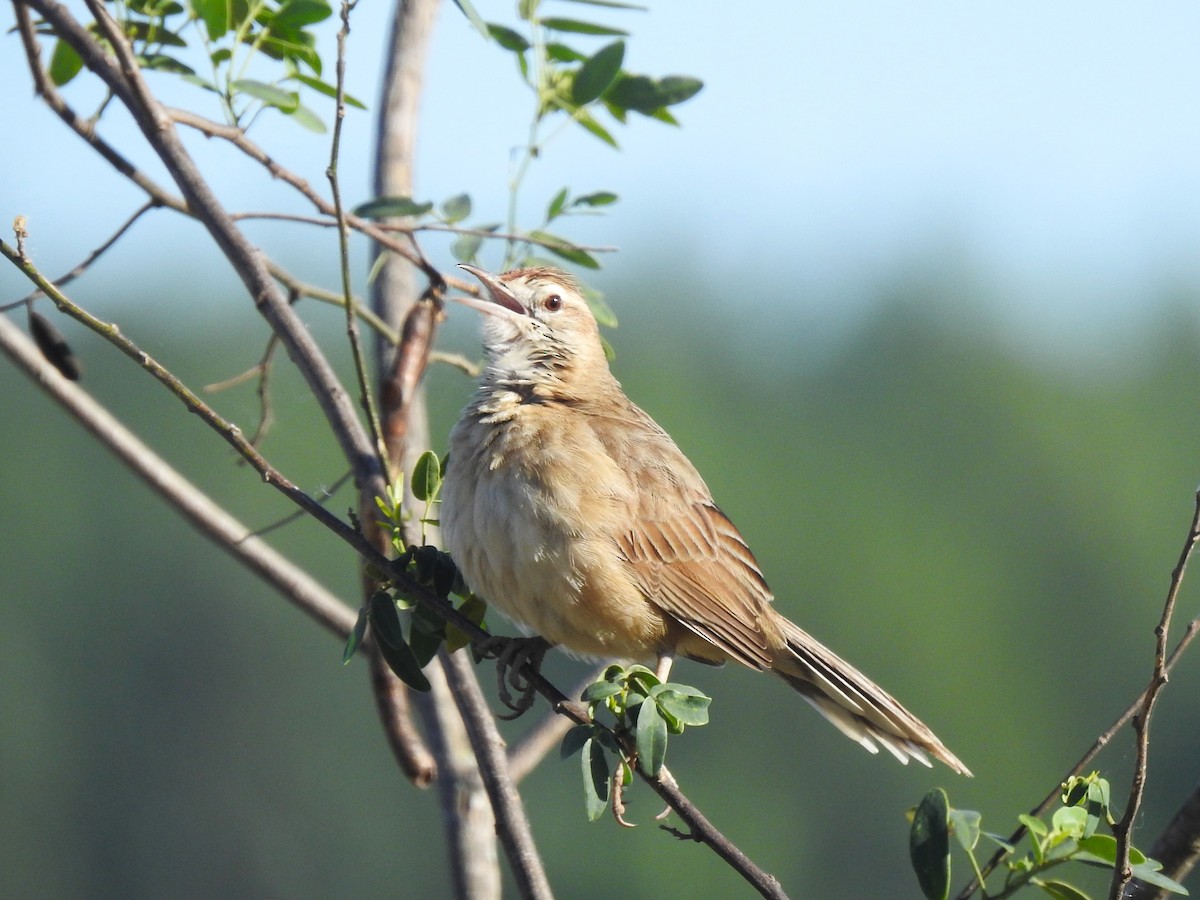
<point x="227" y="430"/>
<point x="1086" y="760"/>
<point x="531" y="748"/>
<point x="1123" y="830"/>
<point x="1177" y="848"/>
<point x="366" y="400"/>
<point x="84" y="265"/>
<point x="702" y="830"/>
<point x="300" y="588"/>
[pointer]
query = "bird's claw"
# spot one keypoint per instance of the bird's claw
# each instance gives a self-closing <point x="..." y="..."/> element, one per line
<point x="513" y="656"/>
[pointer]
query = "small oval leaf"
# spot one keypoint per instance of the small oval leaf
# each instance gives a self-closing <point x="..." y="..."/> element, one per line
<point x="597" y="73"/>
<point x="651" y="738"/>
<point x="426" y="477"/>
<point x="391" y="207"/>
<point x="929" y="845"/>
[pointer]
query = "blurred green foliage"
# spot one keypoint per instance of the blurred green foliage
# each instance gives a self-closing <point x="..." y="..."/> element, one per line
<point x="985" y="531"/>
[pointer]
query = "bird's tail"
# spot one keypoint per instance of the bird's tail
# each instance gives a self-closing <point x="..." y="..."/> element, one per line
<point x="861" y="709"/>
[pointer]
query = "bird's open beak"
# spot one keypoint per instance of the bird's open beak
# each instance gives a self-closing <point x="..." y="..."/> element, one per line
<point x="503" y="301"/>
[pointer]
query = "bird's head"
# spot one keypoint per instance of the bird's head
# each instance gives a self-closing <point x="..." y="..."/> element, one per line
<point x="538" y="326"/>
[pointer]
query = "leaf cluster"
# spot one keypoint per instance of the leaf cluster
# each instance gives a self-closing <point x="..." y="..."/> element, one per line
<point x="233" y="33"/>
<point x="407" y="650"/>
<point x="1074" y="834"/>
<point x="643" y="712"/>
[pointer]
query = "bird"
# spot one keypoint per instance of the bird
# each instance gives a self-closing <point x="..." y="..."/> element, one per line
<point x="572" y="512"/>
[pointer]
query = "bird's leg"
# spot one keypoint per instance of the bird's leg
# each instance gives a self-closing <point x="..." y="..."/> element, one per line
<point x="512" y="656"/>
<point x="663" y="669"/>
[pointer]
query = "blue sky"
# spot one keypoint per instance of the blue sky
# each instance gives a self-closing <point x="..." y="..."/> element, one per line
<point x="1052" y="148"/>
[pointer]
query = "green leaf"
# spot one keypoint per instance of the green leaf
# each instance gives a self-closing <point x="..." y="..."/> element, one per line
<point x="557" y="204"/>
<point x="929" y="845"/>
<point x="426" y="477"/>
<point x="466" y="247"/>
<point x="685" y="703"/>
<point x="1060" y="890"/>
<point x="574" y="26"/>
<point x="426" y="633"/>
<point x="307" y="118"/>
<point x="964" y="823"/>
<point x="297" y="48"/>
<point x="1035" y="825"/>
<point x="456" y="208"/>
<point x="295" y="14"/>
<point x="598" y="198"/>
<point x="651" y="738"/>
<point x="214" y="14"/>
<point x="564" y="54"/>
<point x="152" y="33"/>
<point x="473" y="17"/>
<point x="474" y="609"/>
<point x="597" y="73"/>
<point x="160" y="62"/>
<point x="645" y="95"/>
<point x="595" y="779"/>
<point x="385" y="622"/>
<point x="565" y="249"/>
<point x="675" y="89"/>
<point x="1149" y="872"/>
<point x="201" y="83"/>
<point x="600" y="309"/>
<point x="589" y="124"/>
<point x="599" y="690"/>
<point x="288" y="101"/>
<point x="1101" y="849"/>
<point x="328" y="90"/>
<point x="391" y="207"/>
<point x="356" y="636"/>
<point x="65" y="63"/>
<point x="612" y="4"/>
<point x="507" y="38"/>
<point x="574" y="740"/>
<point x="1069" y="819"/>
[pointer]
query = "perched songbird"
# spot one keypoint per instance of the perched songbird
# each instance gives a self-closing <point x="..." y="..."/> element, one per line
<point x="572" y="512"/>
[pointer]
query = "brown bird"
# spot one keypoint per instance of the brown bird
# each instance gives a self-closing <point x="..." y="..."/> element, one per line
<point x="571" y="511"/>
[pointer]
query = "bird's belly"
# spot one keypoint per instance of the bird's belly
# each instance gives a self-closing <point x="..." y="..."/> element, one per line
<point x="540" y="562"/>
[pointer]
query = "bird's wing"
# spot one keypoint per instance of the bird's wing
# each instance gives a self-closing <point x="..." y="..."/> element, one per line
<point x="684" y="553"/>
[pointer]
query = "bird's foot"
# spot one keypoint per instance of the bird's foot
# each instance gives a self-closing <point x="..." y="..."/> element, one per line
<point x="514" y="657"/>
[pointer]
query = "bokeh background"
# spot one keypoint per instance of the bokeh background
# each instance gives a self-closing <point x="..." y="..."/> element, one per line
<point x="915" y="287"/>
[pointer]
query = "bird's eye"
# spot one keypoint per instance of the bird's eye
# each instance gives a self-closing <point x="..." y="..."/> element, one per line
<point x="553" y="303"/>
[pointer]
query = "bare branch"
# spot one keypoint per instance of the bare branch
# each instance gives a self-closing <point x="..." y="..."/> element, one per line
<point x="1123" y="830"/>
<point x="512" y="824"/>
<point x="1177" y="848"/>
<point x="214" y="522"/>
<point x="83" y="266"/>
<point x="392" y="698"/>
